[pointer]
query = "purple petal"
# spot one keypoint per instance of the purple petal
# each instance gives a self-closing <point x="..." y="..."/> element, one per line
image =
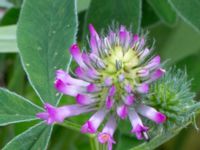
<point x="112" y="91"/>
<point x="137" y="126"/>
<point x="62" y="75"/>
<point x="67" y="79"/>
<point x="93" y="31"/>
<point x="103" y="138"/>
<point x="111" y="37"/>
<point x="94" y="122"/>
<point x="145" y="53"/>
<point x="77" y="55"/>
<point x="88" y="128"/>
<point x="152" y="114"/>
<point x="92" y="73"/>
<point x="42" y="115"/>
<point x="136" y="38"/>
<point x="157" y="74"/>
<point x="143" y="72"/>
<point x="128" y="88"/>
<point x="122" y="37"/>
<point x="155" y="62"/>
<point x="129" y="100"/>
<point x="94" y="39"/>
<point x="142" y="43"/>
<point x="51" y="115"/>
<point x="86" y="59"/>
<point x="140" y="131"/>
<point x="81" y="73"/>
<point x="84" y="99"/>
<point x="108" y="81"/>
<point x="143" y="88"/>
<point x="122" y="28"/>
<point x="109" y="102"/>
<point x="110" y="126"/>
<point x="121" y="77"/>
<point x="57" y="115"/>
<point x="110" y="144"/>
<point x="106" y="136"/>
<point x="99" y="62"/>
<point x="66" y="89"/>
<point x="122" y="111"/>
<point x="92" y="88"/>
<point x="94" y="45"/>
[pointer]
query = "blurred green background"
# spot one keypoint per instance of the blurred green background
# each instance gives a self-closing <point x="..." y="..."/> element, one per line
<point x="177" y="40"/>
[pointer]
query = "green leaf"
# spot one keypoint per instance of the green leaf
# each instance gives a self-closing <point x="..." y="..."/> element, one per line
<point x="14" y="108"/>
<point x="8" y="39"/>
<point x="77" y="141"/>
<point x="158" y="135"/>
<point x="35" y="138"/>
<point x="71" y="125"/>
<point x="46" y="29"/>
<point x="188" y="10"/>
<point x="18" y="73"/>
<point x="149" y="18"/>
<point x="175" y="43"/>
<point x="5" y="3"/>
<point x="159" y="139"/>
<point x="126" y="141"/>
<point x="8" y="33"/>
<point x="10" y="17"/>
<point x="191" y="63"/>
<point x="16" y="3"/>
<point x="164" y="11"/>
<point x="83" y="5"/>
<point x="102" y="13"/>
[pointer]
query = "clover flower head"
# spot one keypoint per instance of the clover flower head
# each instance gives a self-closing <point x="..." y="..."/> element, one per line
<point x="110" y="80"/>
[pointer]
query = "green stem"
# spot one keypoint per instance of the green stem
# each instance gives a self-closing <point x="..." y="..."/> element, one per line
<point x="73" y="126"/>
<point x="95" y="145"/>
<point x="70" y="125"/>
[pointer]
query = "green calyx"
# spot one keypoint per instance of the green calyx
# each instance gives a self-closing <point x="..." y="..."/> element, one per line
<point x="172" y="96"/>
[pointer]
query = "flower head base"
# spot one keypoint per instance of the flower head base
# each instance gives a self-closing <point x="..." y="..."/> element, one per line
<point x="111" y="79"/>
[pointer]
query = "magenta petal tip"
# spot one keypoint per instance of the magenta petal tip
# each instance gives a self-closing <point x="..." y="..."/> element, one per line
<point x="59" y="85"/>
<point x="160" y="118"/>
<point x="74" y="49"/>
<point x="157" y="74"/>
<point x="91" y="88"/>
<point x="51" y="114"/>
<point x="109" y="102"/>
<point x="82" y="99"/>
<point x="88" y="128"/>
<point x="135" y="38"/>
<point x="122" y="111"/>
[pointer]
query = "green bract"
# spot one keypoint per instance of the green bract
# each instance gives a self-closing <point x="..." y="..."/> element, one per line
<point x="172" y="95"/>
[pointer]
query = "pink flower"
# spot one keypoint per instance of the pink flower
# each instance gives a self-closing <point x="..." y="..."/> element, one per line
<point x="110" y="80"/>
